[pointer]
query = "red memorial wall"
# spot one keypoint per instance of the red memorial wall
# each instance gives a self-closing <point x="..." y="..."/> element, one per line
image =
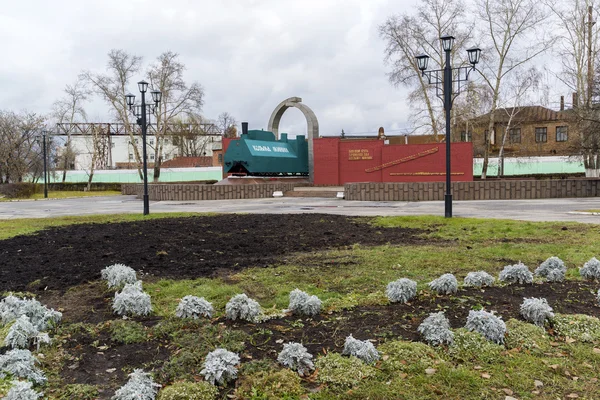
<point x="338" y="161"/>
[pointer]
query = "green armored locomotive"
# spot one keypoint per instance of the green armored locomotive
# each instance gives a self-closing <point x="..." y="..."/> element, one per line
<point x="259" y="153"/>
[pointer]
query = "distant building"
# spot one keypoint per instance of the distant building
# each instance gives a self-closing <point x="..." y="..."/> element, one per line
<point x="116" y="150"/>
<point x="533" y="131"/>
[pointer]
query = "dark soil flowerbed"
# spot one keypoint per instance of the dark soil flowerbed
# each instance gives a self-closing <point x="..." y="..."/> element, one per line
<point x="326" y="333"/>
<point x="99" y="361"/>
<point x="58" y="258"/>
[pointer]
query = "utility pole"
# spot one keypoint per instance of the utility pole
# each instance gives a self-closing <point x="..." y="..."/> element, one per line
<point x="590" y="66"/>
<point x="45" y="165"/>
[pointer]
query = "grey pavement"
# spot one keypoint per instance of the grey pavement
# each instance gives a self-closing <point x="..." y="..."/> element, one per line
<point x="527" y="210"/>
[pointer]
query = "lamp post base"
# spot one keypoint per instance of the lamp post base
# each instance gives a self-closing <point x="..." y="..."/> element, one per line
<point x="146" y="204"/>
<point x="448" y="204"/>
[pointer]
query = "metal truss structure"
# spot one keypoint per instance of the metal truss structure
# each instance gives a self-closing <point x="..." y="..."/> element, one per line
<point x="118" y="129"/>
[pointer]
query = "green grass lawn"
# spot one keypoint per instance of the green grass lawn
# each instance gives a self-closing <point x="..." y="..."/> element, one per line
<point x="63" y="194"/>
<point x="25" y="226"/>
<point x="532" y="365"/>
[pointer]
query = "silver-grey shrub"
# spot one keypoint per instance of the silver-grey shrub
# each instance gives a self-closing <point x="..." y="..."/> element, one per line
<point x="478" y="279"/>
<point x="445" y="284"/>
<point x="436" y="329"/>
<point x="21" y="364"/>
<point x="140" y="386"/>
<point x="518" y="273"/>
<point x="362" y="349"/>
<point x="132" y="300"/>
<point x="401" y="291"/>
<point x="590" y="270"/>
<point x="295" y="357"/>
<point x="220" y="366"/>
<point x="21" y="390"/>
<point x="303" y="303"/>
<point x="22" y="333"/>
<point x="41" y="317"/>
<point x="536" y="310"/>
<point x="486" y="323"/>
<point x="242" y="307"/>
<point x="553" y="269"/>
<point x="194" y="307"/>
<point x="118" y="275"/>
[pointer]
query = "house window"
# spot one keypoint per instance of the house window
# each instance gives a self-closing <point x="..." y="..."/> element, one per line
<point x="130" y="156"/>
<point x="514" y="135"/>
<point x="175" y="140"/>
<point x="220" y="158"/>
<point x="561" y="134"/>
<point x="492" y="138"/>
<point x="541" y="135"/>
<point x="151" y="157"/>
<point x="151" y="142"/>
<point x="112" y="145"/>
<point x="465" y="136"/>
<point x="136" y="141"/>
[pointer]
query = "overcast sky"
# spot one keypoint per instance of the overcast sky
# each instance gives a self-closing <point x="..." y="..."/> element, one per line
<point x="249" y="55"/>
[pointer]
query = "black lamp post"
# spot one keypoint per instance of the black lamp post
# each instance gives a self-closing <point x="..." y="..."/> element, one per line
<point x="140" y="113"/>
<point x="45" y="165"/>
<point x="444" y="85"/>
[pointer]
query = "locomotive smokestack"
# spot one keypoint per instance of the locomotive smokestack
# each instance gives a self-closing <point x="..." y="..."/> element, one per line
<point x="244" y="128"/>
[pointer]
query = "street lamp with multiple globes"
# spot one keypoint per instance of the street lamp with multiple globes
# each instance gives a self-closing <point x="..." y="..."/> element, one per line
<point x="444" y="84"/>
<point x="140" y="113"/>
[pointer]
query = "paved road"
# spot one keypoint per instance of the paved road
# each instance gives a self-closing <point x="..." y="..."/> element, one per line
<point x="530" y="210"/>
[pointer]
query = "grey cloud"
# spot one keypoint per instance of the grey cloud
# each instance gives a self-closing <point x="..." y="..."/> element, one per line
<point x="248" y="54"/>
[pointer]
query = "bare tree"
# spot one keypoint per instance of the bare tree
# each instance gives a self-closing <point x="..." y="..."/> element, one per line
<point x="519" y="92"/>
<point x="69" y="109"/>
<point x="577" y="44"/>
<point x="178" y="98"/>
<point x="20" y="149"/>
<point x="112" y="87"/>
<point x="410" y="35"/>
<point x="227" y="124"/>
<point x="190" y="136"/>
<point x="578" y="50"/>
<point x="97" y="145"/>
<point x="514" y="29"/>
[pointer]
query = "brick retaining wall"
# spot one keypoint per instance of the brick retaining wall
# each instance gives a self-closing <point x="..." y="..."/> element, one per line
<point x="478" y="190"/>
<point x="184" y="192"/>
<point x="409" y="191"/>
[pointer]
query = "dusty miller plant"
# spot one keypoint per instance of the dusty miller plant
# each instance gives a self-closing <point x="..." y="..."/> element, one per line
<point x="295" y="357"/>
<point x="553" y="269"/>
<point x="302" y="303"/>
<point x="194" y="307"/>
<point x="518" y="273"/>
<point x="242" y="307"/>
<point x="220" y="366"/>
<point x="132" y="300"/>
<point x="536" y="310"/>
<point x="41" y="317"/>
<point x="590" y="270"/>
<point x="479" y="279"/>
<point x="21" y="364"/>
<point x="362" y="349"/>
<point x="139" y="386"/>
<point x="445" y="284"/>
<point x="118" y="275"/>
<point x="486" y="323"/>
<point x="436" y="329"/>
<point x="21" y="390"/>
<point x="401" y="291"/>
<point x="23" y="333"/>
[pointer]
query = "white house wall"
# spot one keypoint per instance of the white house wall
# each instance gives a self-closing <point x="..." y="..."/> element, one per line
<point x="122" y="150"/>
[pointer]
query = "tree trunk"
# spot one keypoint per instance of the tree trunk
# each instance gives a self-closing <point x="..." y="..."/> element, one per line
<point x="67" y="155"/>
